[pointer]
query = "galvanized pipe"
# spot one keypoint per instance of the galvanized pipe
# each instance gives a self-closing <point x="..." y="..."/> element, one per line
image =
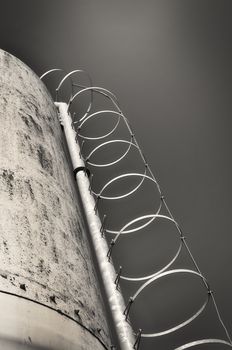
<point x="115" y="299"/>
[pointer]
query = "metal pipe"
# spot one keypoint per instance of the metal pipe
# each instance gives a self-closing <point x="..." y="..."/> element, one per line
<point x="115" y="299"/>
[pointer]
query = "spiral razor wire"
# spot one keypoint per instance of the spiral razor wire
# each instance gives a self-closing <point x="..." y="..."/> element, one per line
<point x="141" y="222"/>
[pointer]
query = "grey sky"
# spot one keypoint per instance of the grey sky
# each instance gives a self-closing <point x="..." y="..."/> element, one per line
<point x="169" y="63"/>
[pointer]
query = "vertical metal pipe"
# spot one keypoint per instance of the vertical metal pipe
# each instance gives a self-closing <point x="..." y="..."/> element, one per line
<point x="108" y="274"/>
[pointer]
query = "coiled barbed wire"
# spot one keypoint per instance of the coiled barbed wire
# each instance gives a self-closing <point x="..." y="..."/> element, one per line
<point x="140" y="222"/>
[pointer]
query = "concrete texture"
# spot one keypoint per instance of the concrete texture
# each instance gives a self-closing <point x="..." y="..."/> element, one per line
<point x="43" y="247"/>
<point x="28" y="325"/>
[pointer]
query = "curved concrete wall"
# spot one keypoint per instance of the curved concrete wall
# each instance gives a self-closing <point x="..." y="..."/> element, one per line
<point x="43" y="247"/>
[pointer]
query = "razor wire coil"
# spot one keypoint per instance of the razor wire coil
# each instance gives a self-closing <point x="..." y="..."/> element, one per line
<point x="141" y="221"/>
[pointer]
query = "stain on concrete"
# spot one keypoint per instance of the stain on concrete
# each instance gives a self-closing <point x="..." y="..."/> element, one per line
<point x="31" y="123"/>
<point x="77" y="313"/>
<point x="8" y="176"/>
<point x="22" y="286"/>
<point x="43" y="237"/>
<point x="43" y="268"/>
<point x="25" y="119"/>
<point x="30" y="189"/>
<point x="45" y="159"/>
<point x="5" y="246"/>
<point x="53" y="299"/>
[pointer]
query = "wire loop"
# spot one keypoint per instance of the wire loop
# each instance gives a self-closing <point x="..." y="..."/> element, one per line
<point x="114" y="112"/>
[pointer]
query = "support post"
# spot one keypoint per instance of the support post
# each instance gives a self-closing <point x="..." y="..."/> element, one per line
<point x="115" y="299"/>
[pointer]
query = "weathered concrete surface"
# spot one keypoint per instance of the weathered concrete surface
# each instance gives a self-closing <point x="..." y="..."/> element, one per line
<point x="40" y="327"/>
<point x="43" y="247"/>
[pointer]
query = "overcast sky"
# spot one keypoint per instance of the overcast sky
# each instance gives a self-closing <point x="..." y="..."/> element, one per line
<point x="169" y="63"/>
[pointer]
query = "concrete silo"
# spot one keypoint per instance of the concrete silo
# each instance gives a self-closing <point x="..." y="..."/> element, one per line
<point x="49" y="295"/>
